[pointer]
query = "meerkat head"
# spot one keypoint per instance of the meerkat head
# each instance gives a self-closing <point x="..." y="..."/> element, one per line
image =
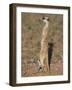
<point x="45" y="19"/>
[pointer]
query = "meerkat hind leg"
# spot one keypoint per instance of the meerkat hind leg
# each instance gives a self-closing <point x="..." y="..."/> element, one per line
<point x="41" y="67"/>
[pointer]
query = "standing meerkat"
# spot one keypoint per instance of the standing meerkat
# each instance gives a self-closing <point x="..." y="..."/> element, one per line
<point x="44" y="44"/>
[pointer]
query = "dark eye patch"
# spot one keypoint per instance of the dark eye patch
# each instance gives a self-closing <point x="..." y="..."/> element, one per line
<point x="48" y="19"/>
<point x="43" y="18"/>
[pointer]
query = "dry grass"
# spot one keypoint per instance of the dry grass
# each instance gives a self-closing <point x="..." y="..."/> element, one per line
<point x="30" y="47"/>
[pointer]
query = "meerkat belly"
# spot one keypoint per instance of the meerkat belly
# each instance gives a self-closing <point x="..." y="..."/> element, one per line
<point x="44" y="47"/>
<point x="44" y="41"/>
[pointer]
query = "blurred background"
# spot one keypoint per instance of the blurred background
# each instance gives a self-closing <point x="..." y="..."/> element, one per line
<point x="32" y="26"/>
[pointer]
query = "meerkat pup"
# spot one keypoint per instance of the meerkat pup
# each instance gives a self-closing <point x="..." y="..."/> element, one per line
<point x="44" y="45"/>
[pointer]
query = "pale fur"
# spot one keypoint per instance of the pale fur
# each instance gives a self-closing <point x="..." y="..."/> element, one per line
<point x="44" y="44"/>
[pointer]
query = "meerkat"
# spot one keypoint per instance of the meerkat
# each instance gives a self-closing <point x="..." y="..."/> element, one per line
<point x="44" y="44"/>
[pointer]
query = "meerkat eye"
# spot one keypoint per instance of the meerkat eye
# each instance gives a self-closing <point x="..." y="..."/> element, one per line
<point x="48" y="19"/>
<point x="43" y="18"/>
